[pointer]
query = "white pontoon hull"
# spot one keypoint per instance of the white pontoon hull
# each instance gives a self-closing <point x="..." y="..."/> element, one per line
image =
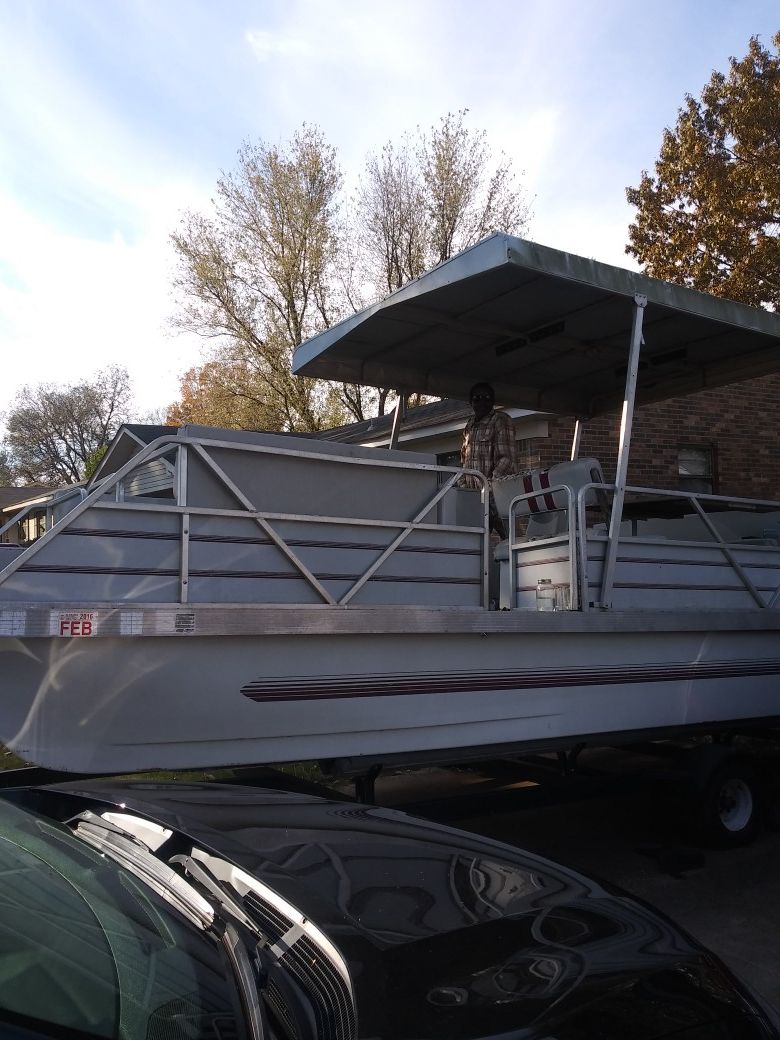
<point x="378" y="683"/>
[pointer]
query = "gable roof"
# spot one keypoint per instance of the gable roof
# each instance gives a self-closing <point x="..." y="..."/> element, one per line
<point x="13" y="496"/>
<point x="420" y="418"/>
<point x="129" y="439"/>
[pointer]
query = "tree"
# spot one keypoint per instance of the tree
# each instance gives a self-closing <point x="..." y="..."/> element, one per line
<point x="94" y="460"/>
<point x="423" y="200"/>
<point x="466" y="200"/>
<point x="54" y="433"/>
<point x="279" y="260"/>
<point x="222" y="394"/>
<point x="6" y="468"/>
<point x="231" y="395"/>
<point x="710" y="216"/>
<point x="392" y="218"/>
<point x="257" y="275"/>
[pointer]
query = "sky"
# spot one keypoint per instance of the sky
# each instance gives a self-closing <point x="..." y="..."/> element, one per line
<point x="116" y="116"/>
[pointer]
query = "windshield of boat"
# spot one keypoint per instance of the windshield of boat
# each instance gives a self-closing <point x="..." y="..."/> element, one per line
<point x="88" y="950"/>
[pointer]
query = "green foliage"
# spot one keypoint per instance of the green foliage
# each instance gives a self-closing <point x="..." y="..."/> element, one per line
<point x="710" y="216"/>
<point x="10" y="761"/>
<point x="94" y="459"/>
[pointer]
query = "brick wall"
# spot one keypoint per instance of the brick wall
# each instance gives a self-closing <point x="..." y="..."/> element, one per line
<point x="738" y="422"/>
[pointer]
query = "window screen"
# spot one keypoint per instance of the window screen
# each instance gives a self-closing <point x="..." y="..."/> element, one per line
<point x="696" y="469"/>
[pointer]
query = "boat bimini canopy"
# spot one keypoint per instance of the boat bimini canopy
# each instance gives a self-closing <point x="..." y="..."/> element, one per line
<point x="551" y="331"/>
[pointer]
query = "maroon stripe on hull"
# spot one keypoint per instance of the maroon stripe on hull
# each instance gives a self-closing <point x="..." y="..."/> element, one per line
<point x="194" y="572"/>
<point x="413" y="684"/>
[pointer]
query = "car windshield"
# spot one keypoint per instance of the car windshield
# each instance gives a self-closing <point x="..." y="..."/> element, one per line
<point x="86" y="949"/>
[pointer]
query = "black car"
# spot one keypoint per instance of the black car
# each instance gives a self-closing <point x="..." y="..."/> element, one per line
<point x="212" y="911"/>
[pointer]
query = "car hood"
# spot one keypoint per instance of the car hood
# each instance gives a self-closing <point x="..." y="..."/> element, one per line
<point x="448" y="934"/>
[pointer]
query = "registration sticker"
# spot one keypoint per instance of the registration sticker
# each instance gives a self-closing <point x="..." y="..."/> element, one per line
<point x="175" y="623"/>
<point x="131" y="623"/>
<point x="184" y="622"/>
<point x="71" y="623"/>
<point x="13" y="622"/>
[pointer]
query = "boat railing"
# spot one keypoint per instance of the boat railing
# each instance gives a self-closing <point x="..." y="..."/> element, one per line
<point x="683" y="549"/>
<point x="675" y="550"/>
<point x="539" y="530"/>
<point x="48" y="507"/>
<point x="33" y="507"/>
<point x="214" y="485"/>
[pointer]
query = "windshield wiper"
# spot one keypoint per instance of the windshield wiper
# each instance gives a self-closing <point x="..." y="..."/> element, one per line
<point x="207" y="899"/>
<point x="131" y="854"/>
<point x="129" y="851"/>
<point x="267" y="968"/>
<point x="247" y="983"/>
<point x="219" y="891"/>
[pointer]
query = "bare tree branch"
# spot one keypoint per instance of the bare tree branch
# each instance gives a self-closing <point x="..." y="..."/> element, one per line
<point x="54" y="432"/>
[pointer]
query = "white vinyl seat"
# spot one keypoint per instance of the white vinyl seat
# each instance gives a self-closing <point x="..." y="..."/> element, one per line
<point x="547" y="512"/>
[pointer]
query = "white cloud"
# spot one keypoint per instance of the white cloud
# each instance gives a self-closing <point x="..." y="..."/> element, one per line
<point x="266" y="45"/>
<point x="86" y="208"/>
<point x="598" y="232"/>
<point x="75" y="305"/>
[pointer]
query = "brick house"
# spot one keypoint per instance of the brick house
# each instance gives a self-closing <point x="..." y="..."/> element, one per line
<point x="721" y="441"/>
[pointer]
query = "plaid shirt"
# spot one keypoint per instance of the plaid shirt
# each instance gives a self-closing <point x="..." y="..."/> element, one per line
<point x="489" y="445"/>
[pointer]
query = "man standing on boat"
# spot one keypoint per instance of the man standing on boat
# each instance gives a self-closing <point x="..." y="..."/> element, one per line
<point x="488" y="445"/>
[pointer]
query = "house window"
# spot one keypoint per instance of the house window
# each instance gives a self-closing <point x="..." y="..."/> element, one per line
<point x="696" y="469"/>
<point x="31" y="528"/>
<point x="448" y="458"/>
<point x="528" y="453"/>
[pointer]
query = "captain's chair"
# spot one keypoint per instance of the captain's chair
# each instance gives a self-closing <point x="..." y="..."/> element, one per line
<point x="547" y="512"/>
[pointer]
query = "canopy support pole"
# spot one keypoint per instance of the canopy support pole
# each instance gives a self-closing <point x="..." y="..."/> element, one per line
<point x="626" y="422"/>
<point x="398" y="418"/>
<point x="575" y="444"/>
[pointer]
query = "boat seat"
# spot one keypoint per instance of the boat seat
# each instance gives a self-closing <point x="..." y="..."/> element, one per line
<point x="547" y="511"/>
<point x="545" y="525"/>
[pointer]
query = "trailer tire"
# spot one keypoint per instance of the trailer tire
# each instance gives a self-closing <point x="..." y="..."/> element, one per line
<point x="730" y="807"/>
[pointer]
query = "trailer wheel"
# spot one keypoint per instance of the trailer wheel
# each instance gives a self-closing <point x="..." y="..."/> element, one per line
<point x="731" y="804"/>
